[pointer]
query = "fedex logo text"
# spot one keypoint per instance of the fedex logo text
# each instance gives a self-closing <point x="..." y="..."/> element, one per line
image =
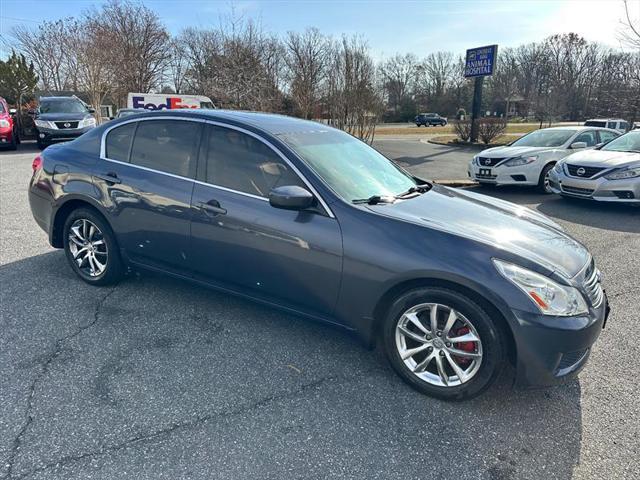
<point x="170" y="104"/>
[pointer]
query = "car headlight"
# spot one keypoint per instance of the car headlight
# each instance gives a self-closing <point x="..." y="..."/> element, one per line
<point x="632" y="171"/>
<point x="475" y="160"/>
<point x="4" y="123"/>
<point x="87" y="122"/>
<point x="550" y="297"/>
<point x="558" y="167"/>
<point x="45" y="124"/>
<point x="524" y="160"/>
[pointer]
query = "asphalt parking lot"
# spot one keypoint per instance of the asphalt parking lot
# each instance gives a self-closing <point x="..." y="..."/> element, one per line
<point x="160" y="379"/>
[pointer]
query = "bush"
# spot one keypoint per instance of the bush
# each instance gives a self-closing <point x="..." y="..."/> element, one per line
<point x="463" y="129"/>
<point x="490" y="128"/>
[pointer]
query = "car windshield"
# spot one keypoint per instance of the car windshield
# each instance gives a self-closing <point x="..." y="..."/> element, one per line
<point x="62" y="106"/>
<point x="349" y="166"/>
<point x="125" y="113"/>
<point x="544" y="138"/>
<point x="629" y="142"/>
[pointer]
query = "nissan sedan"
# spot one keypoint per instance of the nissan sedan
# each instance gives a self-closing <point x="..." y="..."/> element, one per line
<point x="607" y="174"/>
<point x="528" y="160"/>
<point x="309" y="219"/>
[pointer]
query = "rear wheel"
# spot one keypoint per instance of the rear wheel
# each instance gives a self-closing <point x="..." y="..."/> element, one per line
<point x="543" y="182"/>
<point x="443" y="344"/>
<point x="91" y="248"/>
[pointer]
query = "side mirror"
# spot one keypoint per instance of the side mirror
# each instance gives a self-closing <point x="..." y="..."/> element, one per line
<point x="32" y="111"/>
<point x="578" y="145"/>
<point x="13" y="111"/>
<point x="290" y="197"/>
<point x="92" y="110"/>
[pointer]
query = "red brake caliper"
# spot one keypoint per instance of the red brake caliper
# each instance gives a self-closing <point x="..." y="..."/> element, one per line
<point x="466" y="346"/>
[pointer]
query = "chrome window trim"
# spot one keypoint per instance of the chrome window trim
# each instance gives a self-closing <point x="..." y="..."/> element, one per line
<point x="103" y="147"/>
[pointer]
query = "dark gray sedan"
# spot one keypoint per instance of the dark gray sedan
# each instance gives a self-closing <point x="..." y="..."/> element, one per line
<point x="306" y="218"/>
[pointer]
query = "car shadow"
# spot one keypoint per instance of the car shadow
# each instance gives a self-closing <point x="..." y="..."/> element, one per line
<point x="178" y="367"/>
<point x="606" y="216"/>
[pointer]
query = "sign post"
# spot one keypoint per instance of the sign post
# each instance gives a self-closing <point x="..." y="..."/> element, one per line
<point x="479" y="64"/>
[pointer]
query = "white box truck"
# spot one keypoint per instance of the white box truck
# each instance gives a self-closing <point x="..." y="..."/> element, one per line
<point x="168" y="101"/>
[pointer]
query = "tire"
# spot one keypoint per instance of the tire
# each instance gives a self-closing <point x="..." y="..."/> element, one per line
<point x="543" y="184"/>
<point x="13" y="144"/>
<point x="85" y="263"/>
<point x="42" y="145"/>
<point x="479" y="372"/>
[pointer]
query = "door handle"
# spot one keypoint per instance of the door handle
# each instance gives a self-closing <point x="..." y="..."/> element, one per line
<point x="213" y="207"/>
<point x="110" y="177"/>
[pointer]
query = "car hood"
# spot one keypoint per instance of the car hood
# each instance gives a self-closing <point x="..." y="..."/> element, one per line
<point x="603" y="158"/>
<point x="498" y="223"/>
<point x="61" y="117"/>
<point x="507" y="152"/>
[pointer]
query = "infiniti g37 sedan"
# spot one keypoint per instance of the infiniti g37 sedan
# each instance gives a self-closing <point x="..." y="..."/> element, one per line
<point x="307" y="218"/>
<point x="528" y="160"/>
<point x="608" y="174"/>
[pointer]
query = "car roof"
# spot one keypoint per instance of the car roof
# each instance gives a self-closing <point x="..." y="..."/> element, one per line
<point x="55" y="99"/>
<point x="268" y="122"/>
<point x="579" y="128"/>
<point x="606" y="120"/>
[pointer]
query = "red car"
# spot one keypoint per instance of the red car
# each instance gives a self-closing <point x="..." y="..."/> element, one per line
<point x="8" y="129"/>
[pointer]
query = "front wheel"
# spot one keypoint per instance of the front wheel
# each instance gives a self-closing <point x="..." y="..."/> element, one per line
<point x="443" y="344"/>
<point x="543" y="183"/>
<point x="91" y="248"/>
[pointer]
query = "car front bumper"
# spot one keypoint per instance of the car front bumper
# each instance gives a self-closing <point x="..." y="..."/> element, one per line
<point x="553" y="349"/>
<point x="503" y="175"/>
<point x="600" y="189"/>
<point x="50" y="135"/>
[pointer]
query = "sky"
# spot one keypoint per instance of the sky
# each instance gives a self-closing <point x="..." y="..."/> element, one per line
<point x="419" y="27"/>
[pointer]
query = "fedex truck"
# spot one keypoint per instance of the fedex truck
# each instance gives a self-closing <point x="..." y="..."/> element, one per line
<point x="169" y="101"/>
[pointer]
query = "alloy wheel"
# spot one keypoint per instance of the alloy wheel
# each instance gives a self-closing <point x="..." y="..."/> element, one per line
<point x="438" y="344"/>
<point x="88" y="247"/>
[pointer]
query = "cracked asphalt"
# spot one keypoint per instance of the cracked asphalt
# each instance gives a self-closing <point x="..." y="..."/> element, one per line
<point x="159" y="379"/>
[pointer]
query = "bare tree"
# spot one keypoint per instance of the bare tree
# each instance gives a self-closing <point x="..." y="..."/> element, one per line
<point x="352" y="103"/>
<point x="176" y="67"/>
<point x="630" y="32"/>
<point x="95" y="74"/>
<point x="139" y="44"/>
<point x="398" y="76"/>
<point x="46" y="47"/>
<point x="306" y="58"/>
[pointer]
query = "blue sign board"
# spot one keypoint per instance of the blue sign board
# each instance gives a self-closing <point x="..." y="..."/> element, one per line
<point x="480" y="61"/>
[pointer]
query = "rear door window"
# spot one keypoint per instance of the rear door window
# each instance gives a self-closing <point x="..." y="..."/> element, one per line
<point x="612" y="125"/>
<point x="169" y="146"/>
<point x="588" y="137"/>
<point x="243" y="163"/>
<point x="118" y="142"/>
<point x="606" y="137"/>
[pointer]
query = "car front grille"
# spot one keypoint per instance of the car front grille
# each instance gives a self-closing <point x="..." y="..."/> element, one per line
<point x="488" y="162"/>
<point x="576" y="190"/>
<point x="65" y="125"/>
<point x="592" y="285"/>
<point x="583" y="172"/>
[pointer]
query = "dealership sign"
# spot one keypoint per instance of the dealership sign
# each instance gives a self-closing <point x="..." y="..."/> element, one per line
<point x="480" y="61"/>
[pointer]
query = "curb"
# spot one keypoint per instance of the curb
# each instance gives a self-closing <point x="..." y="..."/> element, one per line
<point x="456" y="183"/>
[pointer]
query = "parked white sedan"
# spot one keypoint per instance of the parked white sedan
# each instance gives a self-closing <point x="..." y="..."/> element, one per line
<point x="608" y="174"/>
<point x="528" y="160"/>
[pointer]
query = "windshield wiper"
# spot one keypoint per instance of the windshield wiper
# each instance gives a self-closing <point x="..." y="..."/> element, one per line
<point x="416" y="189"/>
<point x="373" y="200"/>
